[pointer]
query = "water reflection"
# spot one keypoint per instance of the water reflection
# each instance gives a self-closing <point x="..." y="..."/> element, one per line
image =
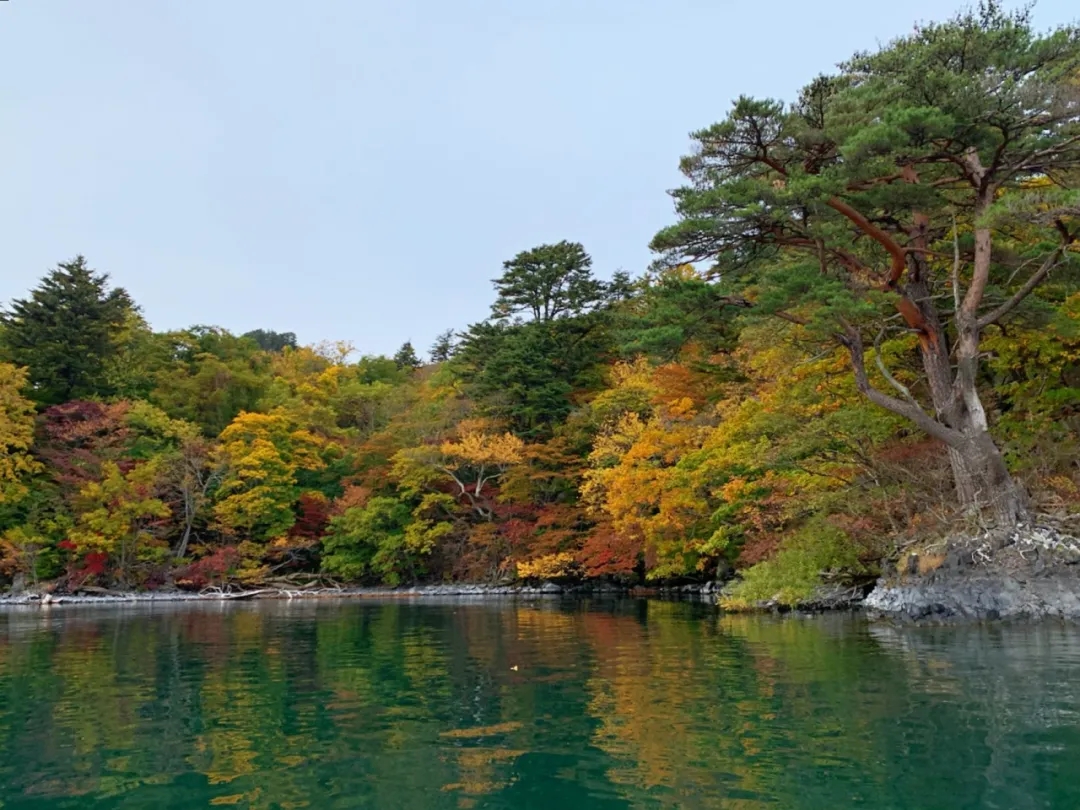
<point x="627" y="704"/>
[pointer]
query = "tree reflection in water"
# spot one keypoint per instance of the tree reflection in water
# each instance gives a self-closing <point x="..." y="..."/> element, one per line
<point x="518" y="704"/>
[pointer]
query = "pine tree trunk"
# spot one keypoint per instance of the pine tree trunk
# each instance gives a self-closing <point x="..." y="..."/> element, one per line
<point x="984" y="485"/>
<point x="982" y="480"/>
<point x="963" y="478"/>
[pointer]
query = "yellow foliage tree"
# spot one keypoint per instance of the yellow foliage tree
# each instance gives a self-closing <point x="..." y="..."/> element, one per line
<point x="16" y="433"/>
<point x="473" y="462"/>
<point x="635" y="481"/>
<point x="260" y="456"/>
<point x="116" y="515"/>
<point x="550" y="566"/>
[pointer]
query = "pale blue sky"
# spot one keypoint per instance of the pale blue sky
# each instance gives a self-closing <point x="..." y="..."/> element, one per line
<point x="359" y="169"/>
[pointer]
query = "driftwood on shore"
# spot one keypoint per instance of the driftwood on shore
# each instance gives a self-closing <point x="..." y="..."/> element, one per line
<point x="101" y="596"/>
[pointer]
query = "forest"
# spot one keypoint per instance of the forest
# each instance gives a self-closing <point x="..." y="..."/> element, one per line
<point x="860" y="336"/>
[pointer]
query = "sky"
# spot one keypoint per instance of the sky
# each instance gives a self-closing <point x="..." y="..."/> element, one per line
<point x="359" y="169"/>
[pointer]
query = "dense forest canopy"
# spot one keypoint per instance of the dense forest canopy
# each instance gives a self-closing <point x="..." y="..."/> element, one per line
<point x="862" y="332"/>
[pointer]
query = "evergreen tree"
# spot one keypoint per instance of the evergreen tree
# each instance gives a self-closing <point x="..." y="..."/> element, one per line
<point x="673" y="310"/>
<point x="526" y="374"/>
<point x="443" y="348"/>
<point x="548" y="282"/>
<point x="66" y="333"/>
<point x="272" y="341"/>
<point x="406" y="356"/>
<point x="880" y="208"/>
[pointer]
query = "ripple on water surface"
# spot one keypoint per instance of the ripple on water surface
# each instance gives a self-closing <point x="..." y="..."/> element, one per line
<point x="552" y="704"/>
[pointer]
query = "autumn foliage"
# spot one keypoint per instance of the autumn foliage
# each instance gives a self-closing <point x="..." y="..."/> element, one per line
<point x="825" y="360"/>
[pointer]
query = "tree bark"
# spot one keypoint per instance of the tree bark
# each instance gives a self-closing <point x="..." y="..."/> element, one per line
<point x="982" y="480"/>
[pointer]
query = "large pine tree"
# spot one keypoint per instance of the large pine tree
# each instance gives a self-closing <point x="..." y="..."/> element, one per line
<point x="548" y="282"/>
<point x="917" y="197"/>
<point x="66" y="332"/>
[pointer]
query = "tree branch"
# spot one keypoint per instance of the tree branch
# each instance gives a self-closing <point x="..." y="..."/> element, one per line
<point x="850" y="261"/>
<point x="742" y="303"/>
<point x="908" y="174"/>
<point x="905" y="392"/>
<point x="784" y="316"/>
<point x="853" y="341"/>
<point x="1034" y="281"/>
<point x="771" y="162"/>
<point x="894" y="249"/>
<point x="947" y="181"/>
<point x="1030" y="163"/>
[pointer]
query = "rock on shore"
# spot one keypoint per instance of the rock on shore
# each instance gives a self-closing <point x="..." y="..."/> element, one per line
<point x="1032" y="574"/>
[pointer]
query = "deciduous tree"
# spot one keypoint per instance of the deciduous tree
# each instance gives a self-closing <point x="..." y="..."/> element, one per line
<point x="16" y="433"/>
<point x="261" y="456"/>
<point x="271" y="341"/>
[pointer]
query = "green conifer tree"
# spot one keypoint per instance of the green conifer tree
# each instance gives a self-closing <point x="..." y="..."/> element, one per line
<point x="66" y="333"/>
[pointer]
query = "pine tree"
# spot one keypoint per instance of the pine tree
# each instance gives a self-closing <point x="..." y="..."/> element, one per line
<point x="66" y="333"/>
<point x="443" y="348"/>
<point x="406" y="356"/>
<point x="881" y="204"/>
<point x="548" y="282"/>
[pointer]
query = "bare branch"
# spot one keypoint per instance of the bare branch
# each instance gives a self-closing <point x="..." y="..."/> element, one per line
<point x="853" y="341"/>
<point x="1030" y="163"/>
<point x="956" y="264"/>
<point x="1034" y="281"/>
<point x="905" y="392"/>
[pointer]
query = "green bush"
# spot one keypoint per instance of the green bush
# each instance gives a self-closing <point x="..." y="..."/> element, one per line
<point x="793" y="574"/>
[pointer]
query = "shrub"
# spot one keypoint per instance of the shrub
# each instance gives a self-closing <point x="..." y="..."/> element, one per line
<point x="797" y="568"/>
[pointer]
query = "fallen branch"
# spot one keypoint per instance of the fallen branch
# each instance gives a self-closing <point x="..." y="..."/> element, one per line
<point x="247" y="594"/>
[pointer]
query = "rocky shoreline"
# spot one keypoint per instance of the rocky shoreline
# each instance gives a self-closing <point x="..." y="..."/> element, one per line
<point x="706" y="591"/>
<point x="1033" y="574"/>
<point x="982" y="598"/>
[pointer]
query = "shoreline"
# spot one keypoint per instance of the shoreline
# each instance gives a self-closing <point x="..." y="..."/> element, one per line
<point x="979" y="597"/>
<point x="705" y="592"/>
<point x="825" y="600"/>
<point x="1033" y="574"/>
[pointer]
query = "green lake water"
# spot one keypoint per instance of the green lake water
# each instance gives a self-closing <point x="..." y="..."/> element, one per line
<point x="549" y="704"/>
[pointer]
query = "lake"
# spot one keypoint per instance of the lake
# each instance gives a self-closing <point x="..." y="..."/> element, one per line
<point x="545" y="704"/>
